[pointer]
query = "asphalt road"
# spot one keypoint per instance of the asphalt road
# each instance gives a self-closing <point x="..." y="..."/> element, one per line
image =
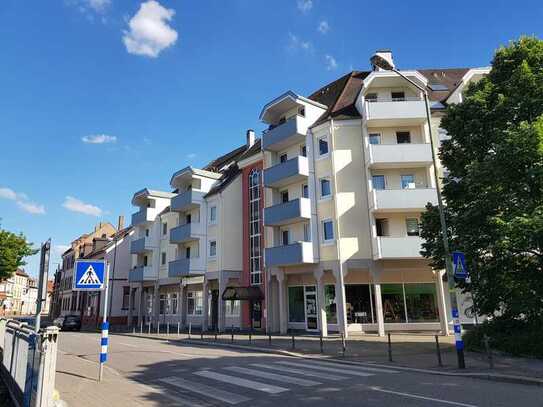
<point x="147" y="372"/>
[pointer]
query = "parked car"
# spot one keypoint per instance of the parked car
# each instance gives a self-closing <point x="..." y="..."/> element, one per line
<point x="58" y="322"/>
<point x="71" y="323"/>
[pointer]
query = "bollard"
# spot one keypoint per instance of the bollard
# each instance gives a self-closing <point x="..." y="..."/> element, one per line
<point x="168" y="329"/>
<point x="321" y="343"/>
<point x="438" y="351"/>
<point x="389" y="348"/>
<point x="293" y="343"/>
<point x="202" y="333"/>
<point x="250" y="336"/>
<point x="232" y="332"/>
<point x="343" y="346"/>
<point x="190" y="328"/>
<point x="133" y="329"/>
<point x="269" y="339"/>
<point x="178" y="329"/>
<point x="486" y="340"/>
<point x="149" y="327"/>
<point x="158" y="328"/>
<point x="141" y="327"/>
<point x="215" y="335"/>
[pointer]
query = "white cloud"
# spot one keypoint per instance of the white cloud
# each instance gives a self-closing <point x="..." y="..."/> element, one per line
<point x="331" y="62"/>
<point x="149" y="32"/>
<point x="191" y="156"/>
<point x="21" y="199"/>
<point x="99" y="5"/>
<point x="295" y="43"/>
<point x="76" y="205"/>
<point x="305" y="5"/>
<point x="99" y="139"/>
<point x="60" y="248"/>
<point x="324" y="27"/>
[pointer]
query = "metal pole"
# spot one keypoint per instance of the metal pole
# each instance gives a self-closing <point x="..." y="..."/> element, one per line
<point x="232" y="332"/>
<point x="321" y="343"/>
<point x="343" y="346"/>
<point x="488" y="351"/>
<point x="293" y="343"/>
<point x="190" y="328"/>
<point x="178" y="328"/>
<point x="269" y="339"/>
<point x="389" y="348"/>
<point x="105" y="328"/>
<point x="141" y="327"/>
<point x="438" y="351"/>
<point x="42" y="285"/>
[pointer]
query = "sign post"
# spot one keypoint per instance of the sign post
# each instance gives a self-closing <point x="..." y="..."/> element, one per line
<point x="460" y="272"/>
<point x="93" y="275"/>
<point x="42" y="285"/>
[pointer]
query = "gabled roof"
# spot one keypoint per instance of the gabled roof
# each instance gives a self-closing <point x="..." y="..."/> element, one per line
<point x="220" y="162"/>
<point x="294" y="98"/>
<point x="228" y="176"/>
<point x="189" y="171"/>
<point x="145" y="192"/>
<point x="253" y="150"/>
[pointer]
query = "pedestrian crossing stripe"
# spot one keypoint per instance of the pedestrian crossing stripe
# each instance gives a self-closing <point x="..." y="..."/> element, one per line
<point x="89" y="277"/>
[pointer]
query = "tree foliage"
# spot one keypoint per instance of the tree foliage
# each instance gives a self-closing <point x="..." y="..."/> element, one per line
<point x="13" y="249"/>
<point x="494" y="187"/>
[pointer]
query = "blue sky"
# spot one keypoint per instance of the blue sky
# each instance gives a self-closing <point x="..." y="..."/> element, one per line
<point x="100" y="98"/>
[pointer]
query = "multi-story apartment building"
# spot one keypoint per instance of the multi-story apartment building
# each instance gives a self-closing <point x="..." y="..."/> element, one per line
<point x="14" y="293"/>
<point x="315" y="226"/>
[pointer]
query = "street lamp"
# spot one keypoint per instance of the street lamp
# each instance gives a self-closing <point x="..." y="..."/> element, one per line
<point x="380" y="62"/>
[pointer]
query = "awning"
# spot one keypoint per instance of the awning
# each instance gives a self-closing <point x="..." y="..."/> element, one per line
<point x="242" y="293"/>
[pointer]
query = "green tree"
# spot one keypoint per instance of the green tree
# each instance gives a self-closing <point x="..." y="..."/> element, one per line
<point x="13" y="249"/>
<point x="494" y="188"/>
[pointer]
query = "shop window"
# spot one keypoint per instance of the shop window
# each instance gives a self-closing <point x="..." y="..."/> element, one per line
<point x="359" y="304"/>
<point x="162" y="304"/>
<point x="421" y="302"/>
<point x="232" y="308"/>
<point x="126" y="297"/>
<point x="194" y="303"/>
<point x="296" y="311"/>
<point x="330" y="304"/>
<point x="173" y="303"/>
<point x="393" y="303"/>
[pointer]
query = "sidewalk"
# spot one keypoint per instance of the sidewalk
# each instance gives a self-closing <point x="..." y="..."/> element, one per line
<point x="407" y="350"/>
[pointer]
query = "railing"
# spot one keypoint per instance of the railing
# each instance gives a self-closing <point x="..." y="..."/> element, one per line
<point x="391" y="99"/>
<point x="28" y="362"/>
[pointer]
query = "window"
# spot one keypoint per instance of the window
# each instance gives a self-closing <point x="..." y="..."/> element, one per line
<point x="255" y="252"/>
<point x="359" y="304"/>
<point x="164" y="229"/>
<point x="327" y="230"/>
<point x="296" y="312"/>
<point x="378" y="181"/>
<point x="412" y="225"/>
<point x="420" y="302"/>
<point x="398" y="96"/>
<point x="301" y="111"/>
<point x="375" y="138"/>
<point x="407" y="181"/>
<point x="188" y="218"/>
<point x="381" y="227"/>
<point x="285" y="237"/>
<point x="305" y="191"/>
<point x="323" y="145"/>
<point x="187" y="252"/>
<point x="284" y="196"/>
<point x="213" y="214"/>
<point x="194" y="302"/>
<point x="162" y="304"/>
<point x="146" y="232"/>
<point x="173" y="303"/>
<point x="371" y="97"/>
<point x="303" y="151"/>
<point x="307" y="232"/>
<point x="232" y="308"/>
<point x="403" y="137"/>
<point x="145" y="261"/>
<point x="126" y="297"/>
<point x="330" y="304"/>
<point x="283" y="158"/>
<point x="393" y="302"/>
<point x="325" y="187"/>
<point x="212" y="248"/>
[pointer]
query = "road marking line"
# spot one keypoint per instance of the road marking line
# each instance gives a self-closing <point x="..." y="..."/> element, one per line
<point x="415" y="396"/>
<point x="326" y="369"/>
<point x="300" y="372"/>
<point x="238" y="381"/>
<point x="160" y="391"/>
<point x="273" y="376"/>
<point x="360" y="368"/>
<point x="205" y="390"/>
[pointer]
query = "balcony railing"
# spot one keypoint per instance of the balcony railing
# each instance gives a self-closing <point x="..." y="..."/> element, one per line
<point x="288" y="172"/>
<point x="394" y="155"/>
<point x="186" y="200"/>
<point x="185" y="233"/>
<point x="144" y="215"/>
<point x="140" y="245"/>
<point x="285" y="134"/>
<point x="297" y="210"/>
<point x="185" y="267"/>
<point x="398" y="111"/>
<point x="407" y="247"/>
<point x="402" y="200"/>
<point x="142" y="273"/>
<point x="289" y="255"/>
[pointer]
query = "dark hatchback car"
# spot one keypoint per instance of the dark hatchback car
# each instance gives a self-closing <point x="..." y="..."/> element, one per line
<point x="71" y="323"/>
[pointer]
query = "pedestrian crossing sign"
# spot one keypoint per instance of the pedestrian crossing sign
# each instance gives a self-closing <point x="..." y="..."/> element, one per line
<point x="89" y="275"/>
<point x="459" y="265"/>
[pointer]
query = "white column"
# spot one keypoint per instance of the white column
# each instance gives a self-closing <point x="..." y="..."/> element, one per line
<point x="379" y="309"/>
<point x="131" y="294"/>
<point x="221" y="304"/>
<point x="205" y="299"/>
<point x="321" y="305"/>
<point x="141" y="302"/>
<point x="341" y="308"/>
<point x="156" y="303"/>
<point x="441" y="302"/>
<point x="283" y="314"/>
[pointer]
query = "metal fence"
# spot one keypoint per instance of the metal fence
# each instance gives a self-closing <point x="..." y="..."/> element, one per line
<point x="28" y="362"/>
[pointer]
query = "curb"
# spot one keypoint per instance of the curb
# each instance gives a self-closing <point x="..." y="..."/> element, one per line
<point x="496" y="377"/>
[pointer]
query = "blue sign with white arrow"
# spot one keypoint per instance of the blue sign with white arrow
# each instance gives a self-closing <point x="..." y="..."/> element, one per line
<point x="89" y="275"/>
<point x="459" y="265"/>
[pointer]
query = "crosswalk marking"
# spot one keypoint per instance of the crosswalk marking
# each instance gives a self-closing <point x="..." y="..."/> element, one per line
<point x="273" y="376"/>
<point x="300" y="372"/>
<point x="238" y="381"/>
<point x="353" y="367"/>
<point x="209" y="391"/>
<point x="326" y="369"/>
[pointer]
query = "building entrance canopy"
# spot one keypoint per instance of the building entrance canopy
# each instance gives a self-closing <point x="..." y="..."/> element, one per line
<point x="242" y="293"/>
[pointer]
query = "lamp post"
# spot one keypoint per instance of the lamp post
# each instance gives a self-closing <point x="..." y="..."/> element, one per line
<point x="382" y="63"/>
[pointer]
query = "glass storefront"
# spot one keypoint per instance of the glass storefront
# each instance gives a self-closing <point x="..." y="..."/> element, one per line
<point x="330" y="304"/>
<point x="393" y="303"/>
<point x="359" y="304"/>
<point x="296" y="311"/>
<point x="421" y="302"/>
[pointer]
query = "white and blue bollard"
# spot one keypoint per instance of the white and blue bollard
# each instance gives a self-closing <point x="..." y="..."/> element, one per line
<point x="458" y="338"/>
<point x="103" y="348"/>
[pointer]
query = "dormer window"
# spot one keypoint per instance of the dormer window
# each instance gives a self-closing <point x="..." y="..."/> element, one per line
<point x="301" y="111"/>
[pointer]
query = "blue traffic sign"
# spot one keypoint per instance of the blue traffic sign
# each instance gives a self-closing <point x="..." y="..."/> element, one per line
<point x="459" y="265"/>
<point x="89" y="275"/>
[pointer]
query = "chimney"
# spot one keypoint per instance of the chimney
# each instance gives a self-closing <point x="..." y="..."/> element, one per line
<point x="250" y="138"/>
<point x="120" y="223"/>
<point x="384" y="54"/>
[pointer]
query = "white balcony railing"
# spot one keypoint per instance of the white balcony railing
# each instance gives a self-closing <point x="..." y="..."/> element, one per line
<point x="402" y="200"/>
<point x="289" y="255"/>
<point x="400" y="112"/>
<point x="394" y="155"/>
<point x="407" y="247"/>
<point x="290" y="132"/>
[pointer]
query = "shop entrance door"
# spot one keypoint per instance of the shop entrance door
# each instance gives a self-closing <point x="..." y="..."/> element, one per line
<point x="310" y="300"/>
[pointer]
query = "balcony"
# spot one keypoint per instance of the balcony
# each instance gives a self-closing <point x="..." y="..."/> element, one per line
<point x="290" y="255"/>
<point x="399" y="155"/>
<point x="289" y="172"/>
<point x="185" y="268"/>
<point x="144" y="215"/>
<point x="142" y="273"/>
<point x="402" y="200"/>
<point x="407" y="247"/>
<point x="297" y="210"/>
<point x="284" y="135"/>
<point x="140" y="245"/>
<point x="186" y="233"/>
<point x="395" y="112"/>
<point x="186" y="200"/>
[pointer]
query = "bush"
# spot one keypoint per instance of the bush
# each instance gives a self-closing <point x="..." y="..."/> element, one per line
<point x="514" y="337"/>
